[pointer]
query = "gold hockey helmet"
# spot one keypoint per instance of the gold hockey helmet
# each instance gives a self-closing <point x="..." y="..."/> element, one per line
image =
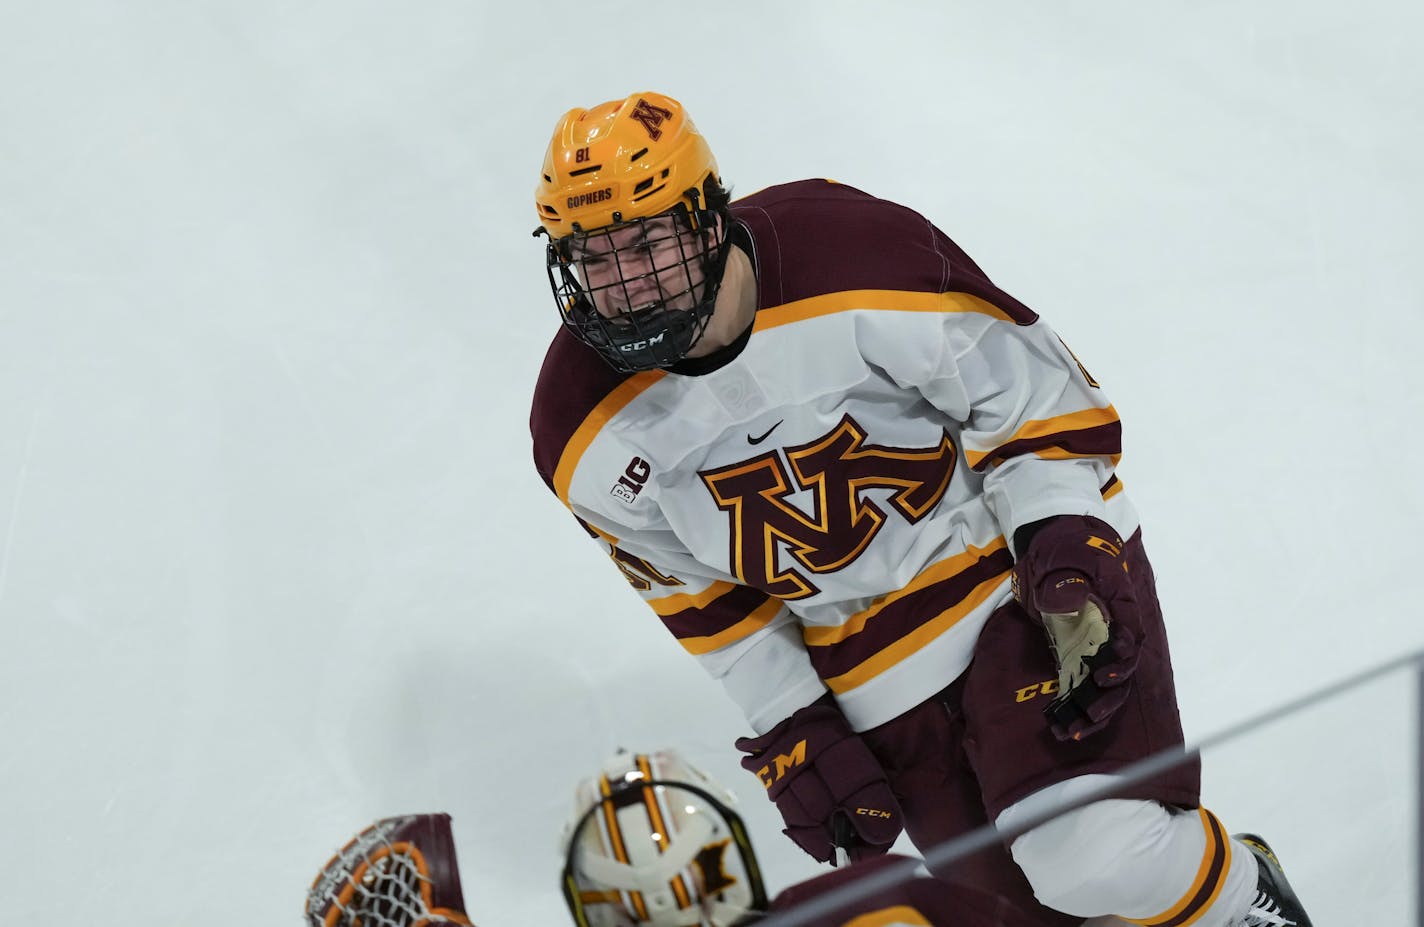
<point x="624" y="159"/>
<point x="636" y="220"/>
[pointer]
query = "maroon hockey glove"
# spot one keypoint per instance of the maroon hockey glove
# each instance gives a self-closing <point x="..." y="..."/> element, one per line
<point x="828" y="786"/>
<point x="1073" y="577"/>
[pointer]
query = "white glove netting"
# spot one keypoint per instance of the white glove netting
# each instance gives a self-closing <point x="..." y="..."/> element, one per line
<point x="374" y="882"/>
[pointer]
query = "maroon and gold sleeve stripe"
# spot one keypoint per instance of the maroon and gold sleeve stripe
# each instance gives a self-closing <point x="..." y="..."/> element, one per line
<point x="814" y="239"/>
<point x="894" y="300"/>
<point x="1206" y="886"/>
<point x="577" y="394"/>
<point x="1089" y="433"/>
<point x="717" y="616"/>
<point x="899" y="624"/>
<point x="588" y="429"/>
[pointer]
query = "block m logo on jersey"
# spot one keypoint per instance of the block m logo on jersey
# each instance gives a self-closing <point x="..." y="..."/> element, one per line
<point x="837" y="469"/>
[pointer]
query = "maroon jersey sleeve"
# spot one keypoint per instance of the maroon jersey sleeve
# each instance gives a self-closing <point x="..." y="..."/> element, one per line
<point x="572" y="382"/>
<point x="815" y="237"/>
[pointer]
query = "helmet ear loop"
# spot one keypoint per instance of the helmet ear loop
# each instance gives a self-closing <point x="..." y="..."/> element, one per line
<point x="712" y="229"/>
<point x="573" y="297"/>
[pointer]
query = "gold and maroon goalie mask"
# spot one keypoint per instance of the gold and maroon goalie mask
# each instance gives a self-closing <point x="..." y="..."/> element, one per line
<point x="636" y="219"/>
<point x="654" y="842"/>
<point x="399" y="872"/>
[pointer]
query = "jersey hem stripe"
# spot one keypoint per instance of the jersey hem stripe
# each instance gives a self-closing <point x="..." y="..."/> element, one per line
<point x="757" y="620"/>
<point x="672" y="604"/>
<point x="933" y="574"/>
<point x="916" y="640"/>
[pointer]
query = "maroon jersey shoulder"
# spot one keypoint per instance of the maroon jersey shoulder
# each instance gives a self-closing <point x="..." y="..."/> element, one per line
<point x="814" y="237"/>
<point x="572" y="382"/>
<point x="937" y="903"/>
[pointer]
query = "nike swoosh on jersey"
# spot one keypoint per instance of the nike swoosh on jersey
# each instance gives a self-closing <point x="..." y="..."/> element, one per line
<point x="764" y="436"/>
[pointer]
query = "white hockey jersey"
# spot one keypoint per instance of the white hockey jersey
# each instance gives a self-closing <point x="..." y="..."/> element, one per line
<point x="833" y="508"/>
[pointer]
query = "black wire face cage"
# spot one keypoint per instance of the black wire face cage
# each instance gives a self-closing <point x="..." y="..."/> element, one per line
<point x="640" y="292"/>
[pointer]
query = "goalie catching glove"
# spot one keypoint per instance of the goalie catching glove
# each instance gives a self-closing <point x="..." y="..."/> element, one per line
<point x="828" y="786"/>
<point x="399" y="872"/>
<point x="1074" y="578"/>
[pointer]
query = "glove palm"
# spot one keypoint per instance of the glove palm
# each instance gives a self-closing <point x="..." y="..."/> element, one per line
<point x="1074" y="578"/>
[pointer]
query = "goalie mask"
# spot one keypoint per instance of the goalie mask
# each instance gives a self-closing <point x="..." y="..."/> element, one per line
<point x="654" y="841"/>
<point x="637" y="220"/>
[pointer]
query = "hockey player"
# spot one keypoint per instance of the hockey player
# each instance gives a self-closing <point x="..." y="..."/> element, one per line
<point x="875" y="496"/>
<point x="654" y="842"/>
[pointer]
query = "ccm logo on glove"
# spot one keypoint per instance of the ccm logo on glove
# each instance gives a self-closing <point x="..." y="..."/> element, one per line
<point x="783" y="763"/>
<point x="830" y="789"/>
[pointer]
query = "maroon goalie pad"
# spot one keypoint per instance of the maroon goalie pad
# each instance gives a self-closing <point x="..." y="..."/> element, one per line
<point x="399" y="872"/>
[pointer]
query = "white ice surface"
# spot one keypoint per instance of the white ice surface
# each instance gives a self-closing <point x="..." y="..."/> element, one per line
<point x="274" y="561"/>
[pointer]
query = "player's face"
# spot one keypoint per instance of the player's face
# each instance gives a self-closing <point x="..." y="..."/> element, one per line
<point x="641" y="265"/>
